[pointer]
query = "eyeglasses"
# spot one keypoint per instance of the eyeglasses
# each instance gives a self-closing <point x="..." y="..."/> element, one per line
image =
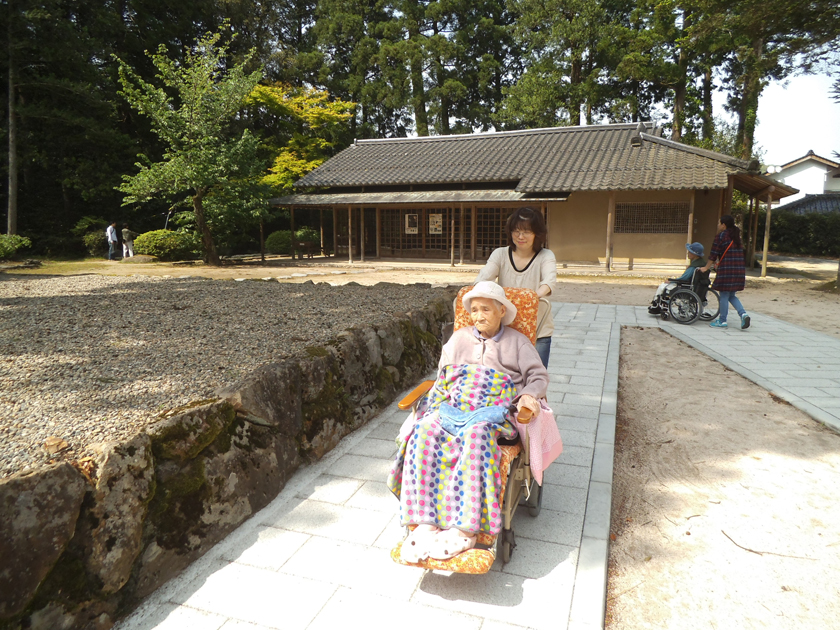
<point x="522" y="233"/>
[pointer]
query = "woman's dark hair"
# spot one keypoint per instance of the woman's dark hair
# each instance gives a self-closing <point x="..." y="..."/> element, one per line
<point x="733" y="230"/>
<point x="527" y="218"/>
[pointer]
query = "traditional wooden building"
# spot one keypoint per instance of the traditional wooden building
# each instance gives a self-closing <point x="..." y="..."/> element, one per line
<point x="614" y="194"/>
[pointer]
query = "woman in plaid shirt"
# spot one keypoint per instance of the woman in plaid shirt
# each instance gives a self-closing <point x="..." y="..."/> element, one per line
<point x="727" y="258"/>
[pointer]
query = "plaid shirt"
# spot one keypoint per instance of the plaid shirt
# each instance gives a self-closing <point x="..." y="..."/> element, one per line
<point x="730" y="270"/>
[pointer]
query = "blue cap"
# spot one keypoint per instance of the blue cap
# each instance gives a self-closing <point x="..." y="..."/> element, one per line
<point x="695" y="248"/>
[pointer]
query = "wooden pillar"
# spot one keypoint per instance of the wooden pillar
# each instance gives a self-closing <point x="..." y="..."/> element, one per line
<point x="461" y="248"/>
<point x="378" y="232"/>
<point x="321" y="223"/>
<point x="292" y="222"/>
<point x="766" y="238"/>
<point x="350" y="234"/>
<point x="544" y="208"/>
<point x="335" y="231"/>
<point x="610" y="226"/>
<point x="754" y="235"/>
<point x="691" y="217"/>
<point x="423" y="228"/>
<point x="726" y="207"/>
<point x="362" y="234"/>
<point x="474" y="226"/>
<point x="452" y="236"/>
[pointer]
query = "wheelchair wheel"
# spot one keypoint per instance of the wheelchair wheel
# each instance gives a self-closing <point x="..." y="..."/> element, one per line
<point x="534" y="501"/>
<point x="684" y="306"/>
<point x="711" y="307"/>
<point x="508" y="544"/>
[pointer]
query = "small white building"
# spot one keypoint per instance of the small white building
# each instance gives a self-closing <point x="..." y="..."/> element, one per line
<point x="811" y="174"/>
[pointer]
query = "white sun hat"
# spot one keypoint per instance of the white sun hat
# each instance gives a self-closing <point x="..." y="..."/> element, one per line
<point x="489" y="289"/>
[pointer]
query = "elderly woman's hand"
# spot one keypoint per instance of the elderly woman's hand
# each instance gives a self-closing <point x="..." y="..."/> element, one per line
<point x="530" y="402"/>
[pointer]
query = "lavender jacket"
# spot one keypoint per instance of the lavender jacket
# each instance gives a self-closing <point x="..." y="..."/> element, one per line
<point x="509" y="351"/>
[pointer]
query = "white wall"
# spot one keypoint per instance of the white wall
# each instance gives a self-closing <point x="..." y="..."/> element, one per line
<point x="808" y="177"/>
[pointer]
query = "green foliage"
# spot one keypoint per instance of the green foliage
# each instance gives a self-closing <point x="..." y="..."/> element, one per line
<point x="308" y="235"/>
<point x="279" y="242"/>
<point x="89" y="223"/>
<point x="815" y="234"/>
<point x="11" y="243"/>
<point x="96" y="243"/>
<point x="168" y="245"/>
<point x="195" y="112"/>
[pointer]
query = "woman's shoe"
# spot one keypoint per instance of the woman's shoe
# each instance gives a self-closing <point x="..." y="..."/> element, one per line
<point x="718" y="324"/>
<point x="745" y="321"/>
<point x="416" y="545"/>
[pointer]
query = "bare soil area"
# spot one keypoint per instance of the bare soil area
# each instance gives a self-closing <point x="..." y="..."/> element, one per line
<point x="725" y="511"/>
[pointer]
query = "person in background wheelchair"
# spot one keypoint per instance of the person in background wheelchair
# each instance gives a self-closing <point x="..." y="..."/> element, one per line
<point x="695" y="255"/>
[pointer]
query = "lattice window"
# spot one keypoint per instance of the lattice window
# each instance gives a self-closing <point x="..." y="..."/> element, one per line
<point x="490" y="230"/>
<point x="651" y="218"/>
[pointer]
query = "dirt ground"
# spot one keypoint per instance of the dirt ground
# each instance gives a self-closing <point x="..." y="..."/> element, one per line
<point x="725" y="511"/>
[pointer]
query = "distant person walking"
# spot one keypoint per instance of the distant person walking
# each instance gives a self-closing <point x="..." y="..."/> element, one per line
<point x="727" y="258"/>
<point x="111" y="235"/>
<point x="128" y="241"/>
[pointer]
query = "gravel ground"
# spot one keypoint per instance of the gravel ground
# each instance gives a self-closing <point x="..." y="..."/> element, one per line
<point x="94" y="358"/>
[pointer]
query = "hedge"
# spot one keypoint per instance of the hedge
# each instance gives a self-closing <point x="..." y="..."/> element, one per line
<point x="168" y="245"/>
<point x="814" y="234"/>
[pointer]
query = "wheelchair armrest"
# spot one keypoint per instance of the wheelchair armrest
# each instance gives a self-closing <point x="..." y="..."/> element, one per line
<point x="416" y="394"/>
<point x="525" y="415"/>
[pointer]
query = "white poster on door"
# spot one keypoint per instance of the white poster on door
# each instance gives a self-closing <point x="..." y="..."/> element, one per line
<point x="435" y="224"/>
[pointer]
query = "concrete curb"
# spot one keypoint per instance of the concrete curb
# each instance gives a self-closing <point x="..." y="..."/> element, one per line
<point x="589" y="598"/>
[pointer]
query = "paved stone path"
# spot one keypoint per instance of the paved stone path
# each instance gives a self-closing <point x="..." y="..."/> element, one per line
<point x="318" y="555"/>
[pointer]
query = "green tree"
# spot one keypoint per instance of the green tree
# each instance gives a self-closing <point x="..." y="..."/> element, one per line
<point x="570" y="48"/>
<point x="769" y="40"/>
<point x="194" y="111"/>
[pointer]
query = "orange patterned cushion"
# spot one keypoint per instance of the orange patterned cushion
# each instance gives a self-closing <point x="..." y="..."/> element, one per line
<point x="526" y="302"/>
<point x="475" y="561"/>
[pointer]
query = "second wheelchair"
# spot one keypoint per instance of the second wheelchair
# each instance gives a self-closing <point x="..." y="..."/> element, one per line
<point x="687" y="301"/>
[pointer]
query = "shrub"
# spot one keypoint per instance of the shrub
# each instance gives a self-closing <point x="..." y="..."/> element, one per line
<point x="308" y="235"/>
<point x="168" y="245"/>
<point x="814" y="234"/>
<point x="279" y="242"/>
<point x="11" y="243"/>
<point x="96" y="243"/>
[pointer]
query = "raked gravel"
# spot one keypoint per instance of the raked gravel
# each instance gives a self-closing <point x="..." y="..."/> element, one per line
<point x="95" y="358"/>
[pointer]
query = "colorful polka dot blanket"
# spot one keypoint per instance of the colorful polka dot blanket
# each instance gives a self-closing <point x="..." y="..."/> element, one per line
<point x="451" y="479"/>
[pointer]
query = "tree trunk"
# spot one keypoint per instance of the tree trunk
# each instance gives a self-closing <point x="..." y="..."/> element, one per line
<point x="681" y="88"/>
<point x="262" y="239"/>
<point x="418" y="90"/>
<point x="11" y="223"/>
<point x="575" y="101"/>
<point x="748" y="109"/>
<point x="708" y="112"/>
<point x="210" y="255"/>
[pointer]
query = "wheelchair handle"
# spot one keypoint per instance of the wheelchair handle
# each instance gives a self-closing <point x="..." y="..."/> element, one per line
<point x="525" y="415"/>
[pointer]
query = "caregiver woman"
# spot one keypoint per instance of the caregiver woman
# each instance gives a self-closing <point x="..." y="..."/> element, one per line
<point x="727" y="258"/>
<point x="526" y="263"/>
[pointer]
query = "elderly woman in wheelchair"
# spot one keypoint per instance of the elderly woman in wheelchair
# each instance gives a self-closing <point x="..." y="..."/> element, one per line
<point x="447" y="471"/>
<point x="688" y="297"/>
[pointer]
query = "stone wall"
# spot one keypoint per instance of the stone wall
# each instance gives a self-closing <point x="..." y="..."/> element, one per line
<point x="80" y="550"/>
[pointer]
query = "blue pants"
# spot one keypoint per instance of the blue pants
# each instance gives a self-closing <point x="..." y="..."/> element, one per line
<point x="727" y="298"/>
<point x="544" y="349"/>
<point x="112" y="250"/>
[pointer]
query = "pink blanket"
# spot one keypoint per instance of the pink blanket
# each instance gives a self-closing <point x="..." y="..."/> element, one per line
<point x="544" y="440"/>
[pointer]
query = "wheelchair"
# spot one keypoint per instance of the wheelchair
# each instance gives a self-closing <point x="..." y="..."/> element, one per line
<point x="689" y="301"/>
<point x="518" y="487"/>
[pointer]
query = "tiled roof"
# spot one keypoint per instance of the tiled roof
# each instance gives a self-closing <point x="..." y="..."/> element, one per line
<point x="405" y="197"/>
<point x="597" y="157"/>
<point x="823" y="203"/>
